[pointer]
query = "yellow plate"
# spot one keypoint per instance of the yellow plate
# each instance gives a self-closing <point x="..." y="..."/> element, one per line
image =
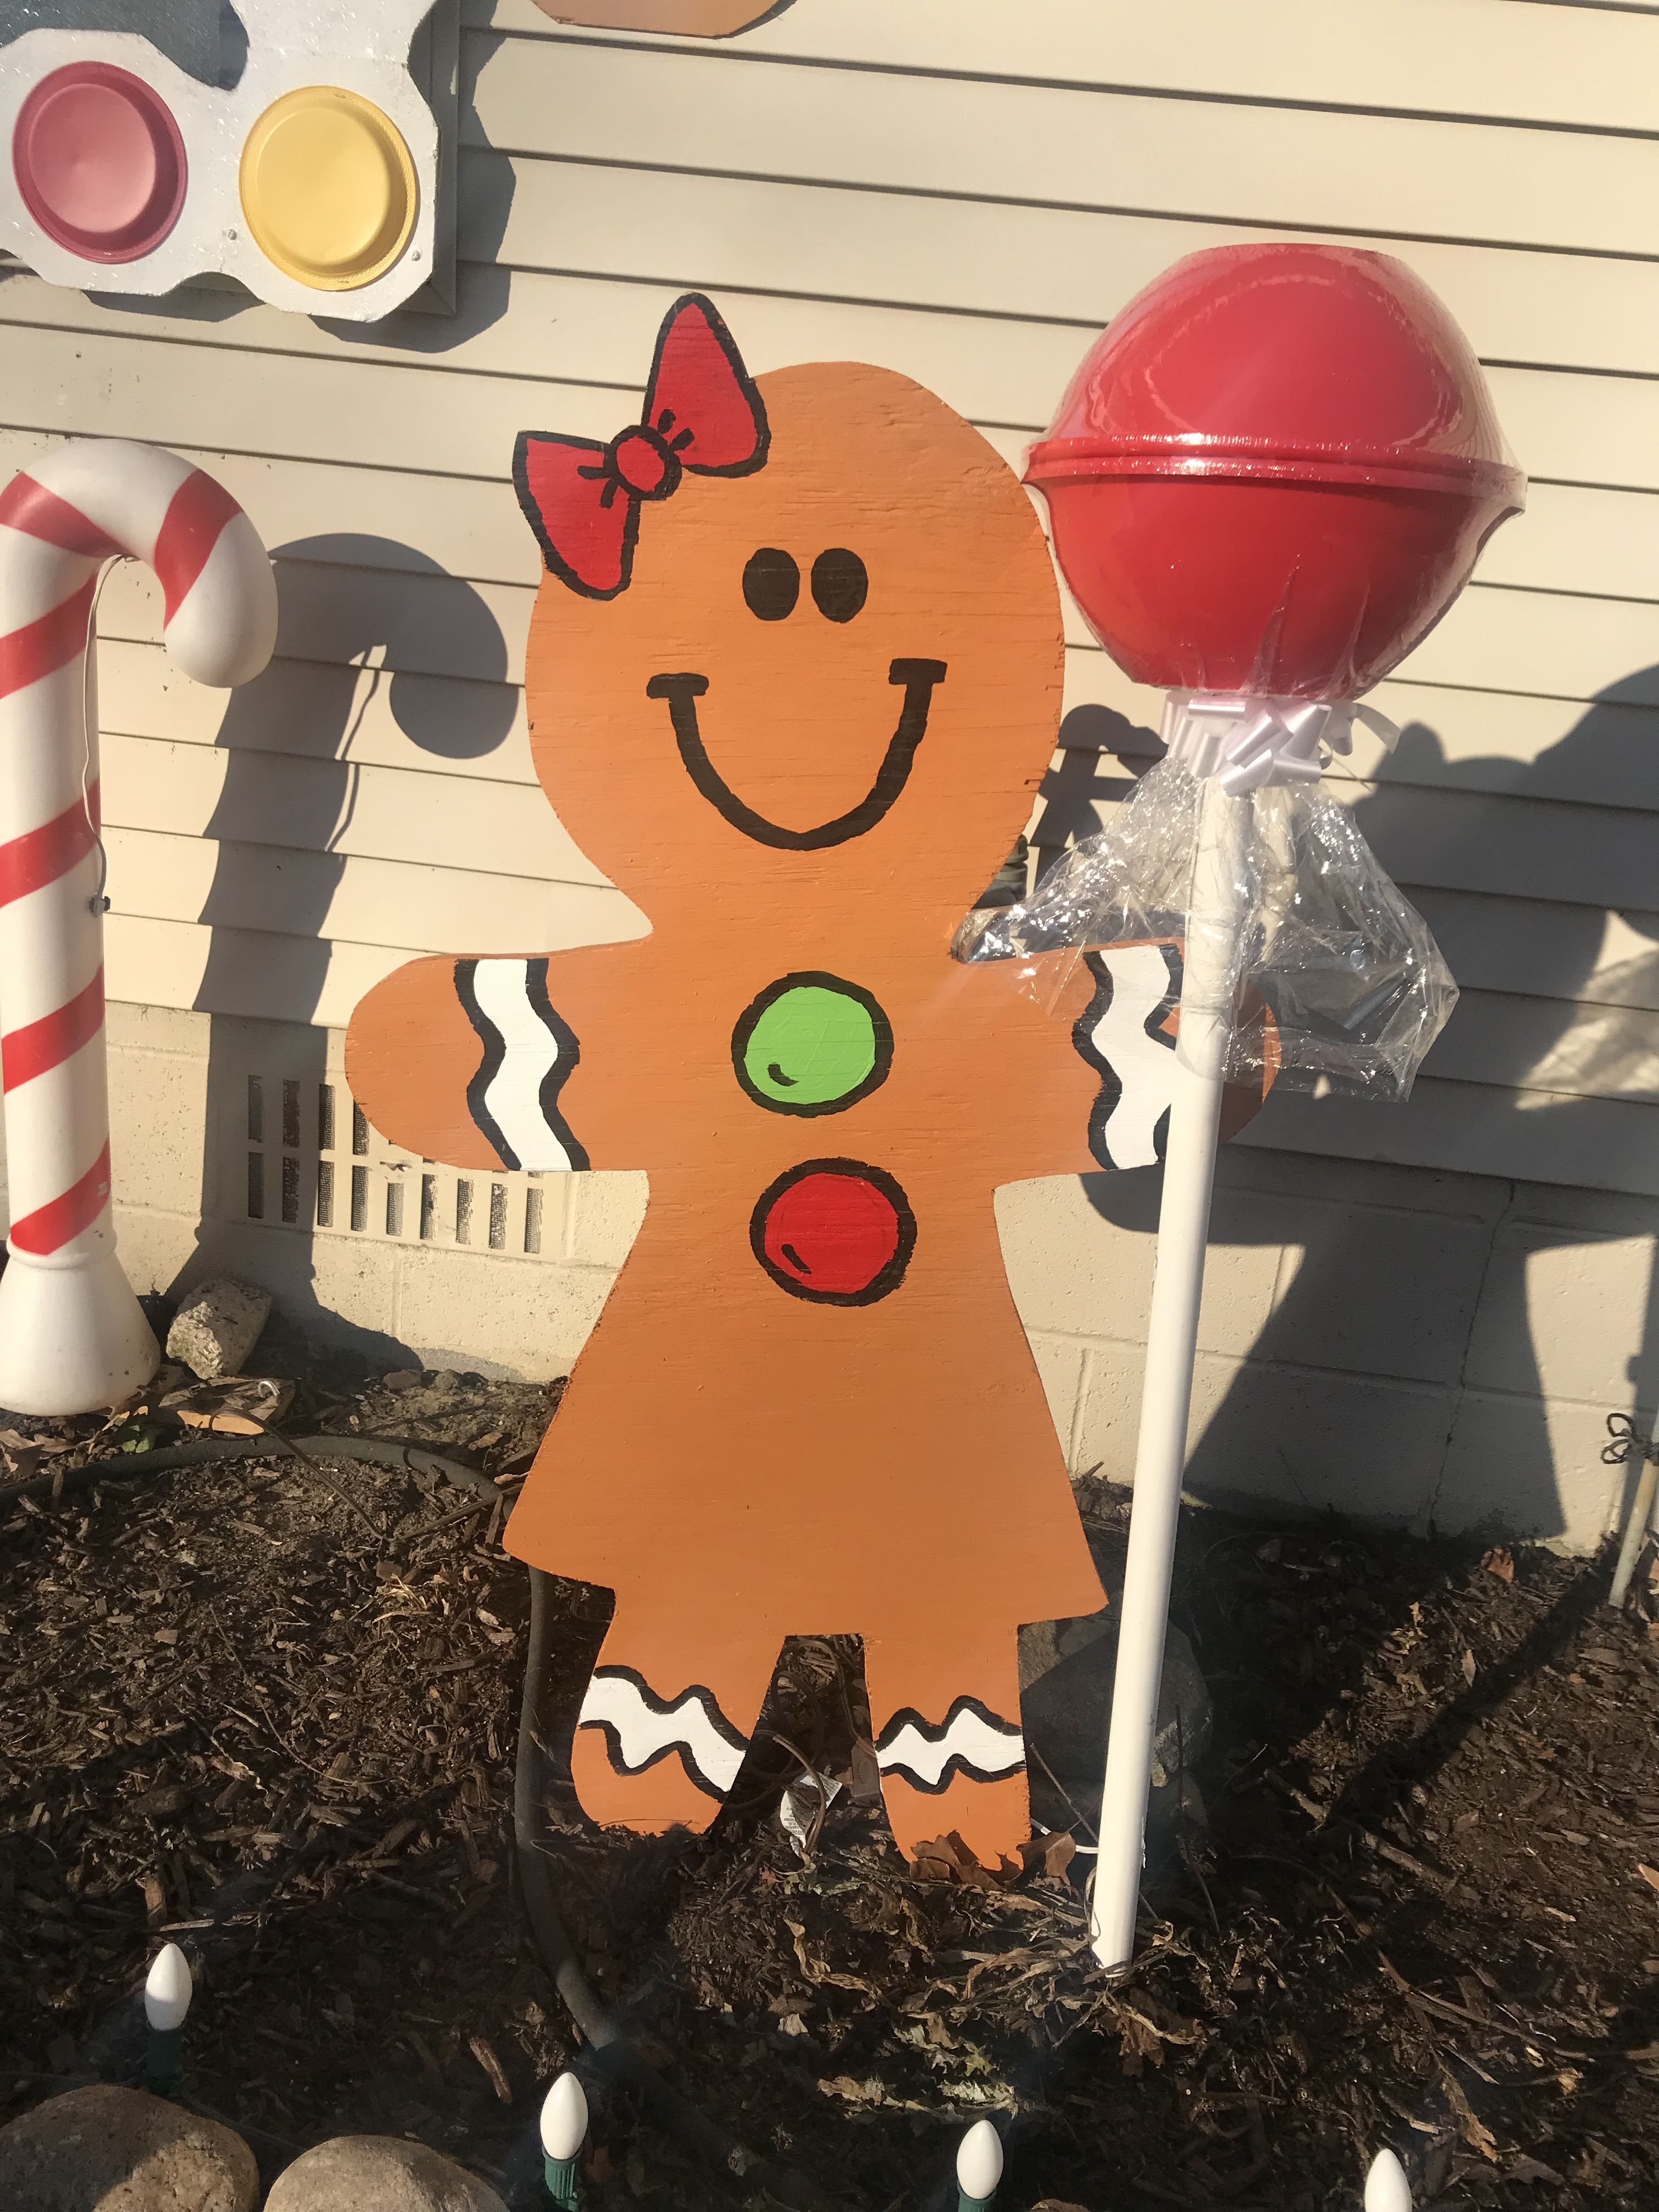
<point x="328" y="188"/>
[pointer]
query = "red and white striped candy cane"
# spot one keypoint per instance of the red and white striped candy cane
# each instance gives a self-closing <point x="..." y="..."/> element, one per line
<point x="72" y="1335"/>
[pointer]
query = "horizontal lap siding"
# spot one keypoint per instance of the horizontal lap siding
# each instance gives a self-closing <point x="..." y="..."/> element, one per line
<point x="1457" y="58"/>
<point x="1592" y="428"/>
<point x="1076" y="267"/>
<point x="1061" y="147"/>
<point x="847" y="197"/>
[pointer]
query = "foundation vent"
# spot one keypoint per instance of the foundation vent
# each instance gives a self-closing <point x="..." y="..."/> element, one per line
<point x="313" y="1162"/>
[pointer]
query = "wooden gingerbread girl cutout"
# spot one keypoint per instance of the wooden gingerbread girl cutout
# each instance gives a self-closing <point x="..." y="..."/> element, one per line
<point x="793" y="676"/>
<point x="699" y="19"/>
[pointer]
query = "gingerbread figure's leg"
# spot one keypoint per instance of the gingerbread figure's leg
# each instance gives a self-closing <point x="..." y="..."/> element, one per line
<point x="945" y="1716"/>
<point x="667" y="1719"/>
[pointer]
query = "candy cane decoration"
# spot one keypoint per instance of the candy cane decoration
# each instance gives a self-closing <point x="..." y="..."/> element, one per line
<point x="72" y="1335"/>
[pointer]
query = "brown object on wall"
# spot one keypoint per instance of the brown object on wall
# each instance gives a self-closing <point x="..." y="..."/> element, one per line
<point x="697" y="19"/>
<point x="793" y="678"/>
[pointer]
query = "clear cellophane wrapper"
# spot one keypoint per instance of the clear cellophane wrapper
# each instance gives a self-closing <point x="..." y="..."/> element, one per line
<point x="1353" y="979"/>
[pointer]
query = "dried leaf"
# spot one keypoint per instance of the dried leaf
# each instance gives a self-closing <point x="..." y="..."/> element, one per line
<point x="1649" y="1874"/>
<point x="1479" y="2138"/>
<point x="1049" y="1855"/>
<point x="492" y="2066"/>
<point x="241" y="1406"/>
<point x="864" y="1775"/>
<point x="871" y="2091"/>
<point x="1137" y="2041"/>
<point x="1469" y="1667"/>
<point x="1499" y="1561"/>
<point x="948" y="1858"/>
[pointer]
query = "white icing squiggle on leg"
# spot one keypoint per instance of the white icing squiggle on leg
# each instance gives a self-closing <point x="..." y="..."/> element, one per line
<point x="641" y="1728"/>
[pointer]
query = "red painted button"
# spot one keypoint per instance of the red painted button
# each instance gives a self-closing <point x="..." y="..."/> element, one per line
<point x="100" y="161"/>
<point x="835" y="1232"/>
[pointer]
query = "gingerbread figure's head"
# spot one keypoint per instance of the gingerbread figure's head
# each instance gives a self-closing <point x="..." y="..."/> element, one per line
<point x="799" y="646"/>
<point x="701" y="19"/>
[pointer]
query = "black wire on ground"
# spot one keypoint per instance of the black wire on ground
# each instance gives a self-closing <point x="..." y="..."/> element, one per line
<point x="119" y="1466"/>
<point x="614" y="2054"/>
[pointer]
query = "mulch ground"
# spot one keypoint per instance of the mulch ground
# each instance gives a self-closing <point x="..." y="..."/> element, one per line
<point x="269" y="1708"/>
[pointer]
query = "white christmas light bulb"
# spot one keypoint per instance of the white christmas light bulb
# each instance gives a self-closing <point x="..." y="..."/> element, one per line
<point x="1387" y="2189"/>
<point x="167" y="1989"/>
<point x="564" y="2119"/>
<point x="979" y="2163"/>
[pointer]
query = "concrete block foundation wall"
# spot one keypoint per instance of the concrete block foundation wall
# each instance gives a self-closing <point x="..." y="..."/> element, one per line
<point x="1388" y="1343"/>
<point x="236" y="1147"/>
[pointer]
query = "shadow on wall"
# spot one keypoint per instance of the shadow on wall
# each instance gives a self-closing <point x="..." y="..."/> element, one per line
<point x="484" y="186"/>
<point x="1610" y="756"/>
<point x="349" y="605"/>
<point x="186" y="31"/>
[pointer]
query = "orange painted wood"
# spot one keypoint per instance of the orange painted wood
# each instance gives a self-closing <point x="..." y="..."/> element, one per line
<point x="701" y="19"/>
<point x="737" y="1462"/>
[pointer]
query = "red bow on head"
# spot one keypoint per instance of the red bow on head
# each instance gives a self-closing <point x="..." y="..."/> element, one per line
<point x="701" y="413"/>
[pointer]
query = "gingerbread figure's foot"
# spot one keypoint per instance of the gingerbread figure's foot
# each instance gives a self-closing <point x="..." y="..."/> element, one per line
<point x="664" y="1725"/>
<point x="950" y="1744"/>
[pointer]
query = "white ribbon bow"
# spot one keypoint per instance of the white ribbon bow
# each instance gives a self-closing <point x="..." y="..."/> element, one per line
<point x="1250" y="743"/>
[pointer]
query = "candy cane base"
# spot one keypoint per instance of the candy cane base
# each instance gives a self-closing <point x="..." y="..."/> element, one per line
<point x="72" y="1338"/>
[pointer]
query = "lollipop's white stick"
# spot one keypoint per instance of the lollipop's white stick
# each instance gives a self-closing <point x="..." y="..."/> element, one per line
<point x="1216" y="916"/>
<point x="1636" y="1532"/>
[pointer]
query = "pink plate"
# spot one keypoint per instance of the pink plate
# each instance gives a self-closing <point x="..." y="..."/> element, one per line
<point x="100" y="161"/>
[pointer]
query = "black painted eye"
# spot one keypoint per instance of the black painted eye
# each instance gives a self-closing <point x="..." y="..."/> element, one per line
<point x="771" y="584"/>
<point x="840" y="584"/>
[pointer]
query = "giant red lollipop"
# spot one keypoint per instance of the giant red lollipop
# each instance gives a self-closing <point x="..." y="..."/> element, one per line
<point x="1273" y="472"/>
<point x="1268" y="481"/>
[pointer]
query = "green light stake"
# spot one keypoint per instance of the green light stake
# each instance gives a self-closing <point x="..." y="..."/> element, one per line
<point x="979" y="2168"/>
<point x="564" y="2131"/>
<point x="168" y="1992"/>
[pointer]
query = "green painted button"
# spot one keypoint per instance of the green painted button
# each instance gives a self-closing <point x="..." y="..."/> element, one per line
<point x="812" y="1045"/>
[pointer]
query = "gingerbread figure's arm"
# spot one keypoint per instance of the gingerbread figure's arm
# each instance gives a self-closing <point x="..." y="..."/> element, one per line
<point x="1108" y="1106"/>
<point x="468" y="1061"/>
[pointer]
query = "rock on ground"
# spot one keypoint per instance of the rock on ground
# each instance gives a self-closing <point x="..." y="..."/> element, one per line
<point x="378" y="2173"/>
<point x="215" y="1330"/>
<point x="104" y="2149"/>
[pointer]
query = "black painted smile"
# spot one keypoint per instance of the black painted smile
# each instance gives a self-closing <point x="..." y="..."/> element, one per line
<point x="683" y="692"/>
